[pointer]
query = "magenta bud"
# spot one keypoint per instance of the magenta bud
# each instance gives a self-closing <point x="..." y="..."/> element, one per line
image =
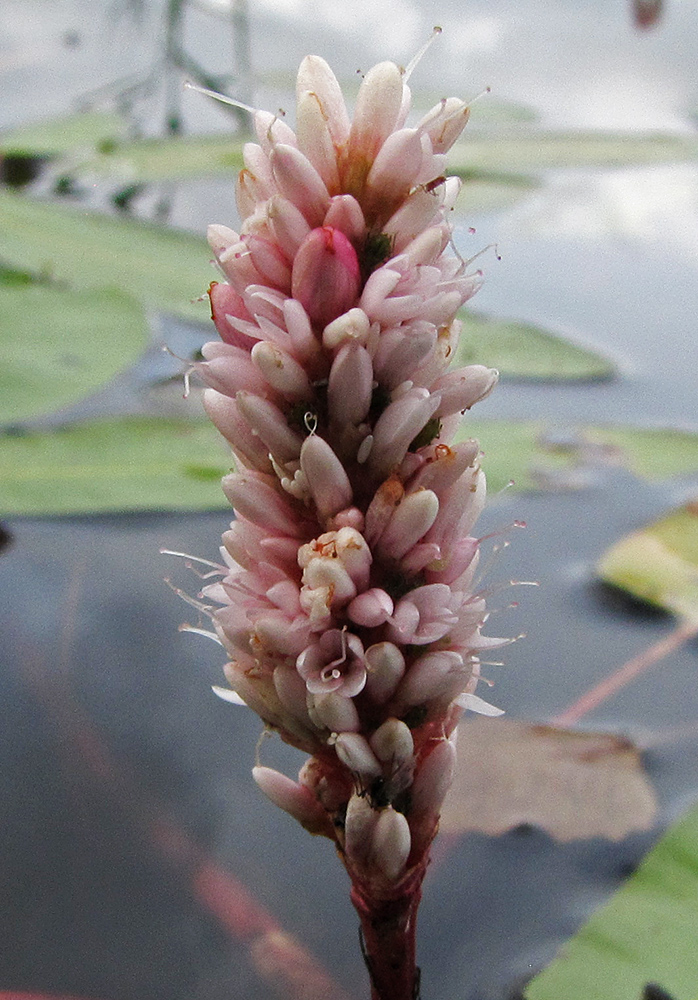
<point x="326" y="277"/>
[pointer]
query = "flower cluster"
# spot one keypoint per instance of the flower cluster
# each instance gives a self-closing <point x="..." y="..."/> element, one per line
<point x="348" y="610"/>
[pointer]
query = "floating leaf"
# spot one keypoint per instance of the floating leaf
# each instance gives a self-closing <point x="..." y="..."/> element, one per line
<point x="165" y="268"/>
<point x="528" y="149"/>
<point x="535" y="456"/>
<point x="114" y="465"/>
<point x="60" y="135"/>
<point x="659" y="564"/>
<point x="492" y="192"/>
<point x="177" y="158"/>
<point x="58" y="345"/>
<point x="573" y="785"/>
<point x="645" y="934"/>
<point x="521" y="350"/>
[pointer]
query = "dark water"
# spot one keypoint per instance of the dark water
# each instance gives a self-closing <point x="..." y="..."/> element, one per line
<point x="120" y="770"/>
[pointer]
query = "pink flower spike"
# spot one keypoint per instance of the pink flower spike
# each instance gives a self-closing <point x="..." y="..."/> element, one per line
<point x="326" y="478"/>
<point x="334" y="663"/>
<point x="326" y="275"/>
<point x="371" y="609"/>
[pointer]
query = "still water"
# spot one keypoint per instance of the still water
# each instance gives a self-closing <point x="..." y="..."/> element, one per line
<point x="113" y="747"/>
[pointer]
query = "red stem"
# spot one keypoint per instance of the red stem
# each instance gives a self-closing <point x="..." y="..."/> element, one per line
<point x="388" y="938"/>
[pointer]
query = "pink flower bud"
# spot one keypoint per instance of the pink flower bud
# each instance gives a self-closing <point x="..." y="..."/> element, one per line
<point x="410" y="522"/>
<point x="292" y="797"/>
<point x="299" y="181"/>
<point x="255" y="498"/>
<point x="315" y="138"/>
<point x="345" y="214"/>
<point x="385" y="667"/>
<point x="392" y="742"/>
<point x="315" y="75"/>
<point x="248" y="447"/>
<point x="433" y="676"/>
<point x="464" y="387"/>
<point x="444" y="123"/>
<point x="351" y="327"/>
<point x="359" y="824"/>
<point x="326" y="276"/>
<point x="281" y="371"/>
<point x="354" y="751"/>
<point x="391" y="843"/>
<point x="325" y="475"/>
<point x="350" y="384"/>
<point x="433" y="777"/>
<point x="268" y="422"/>
<point x="371" y="609"/>
<point x="335" y="712"/>
<point x="225" y="302"/>
<point x="378" y="105"/>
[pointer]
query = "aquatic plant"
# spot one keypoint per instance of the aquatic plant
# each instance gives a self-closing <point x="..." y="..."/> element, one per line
<point x="348" y="606"/>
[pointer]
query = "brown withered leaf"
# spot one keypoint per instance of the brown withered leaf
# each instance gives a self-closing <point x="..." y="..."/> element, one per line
<point x="573" y="785"/>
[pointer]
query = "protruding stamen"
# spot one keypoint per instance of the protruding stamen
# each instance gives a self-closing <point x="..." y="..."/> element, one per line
<point x="222" y="98"/>
<point x="412" y="64"/>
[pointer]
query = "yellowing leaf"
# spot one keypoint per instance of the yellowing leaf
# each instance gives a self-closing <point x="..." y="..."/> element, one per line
<point x="659" y="564"/>
<point x="573" y="785"/>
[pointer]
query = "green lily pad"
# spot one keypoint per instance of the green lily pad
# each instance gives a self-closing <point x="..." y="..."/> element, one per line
<point x="61" y="135"/>
<point x="492" y="192"/>
<point x="164" y="268"/>
<point x="659" y="564"/>
<point x="529" y="149"/>
<point x="58" y="345"/>
<point x="114" y="465"/>
<point x="536" y="456"/>
<point x="520" y="350"/>
<point x="646" y="933"/>
<point x="179" y="158"/>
